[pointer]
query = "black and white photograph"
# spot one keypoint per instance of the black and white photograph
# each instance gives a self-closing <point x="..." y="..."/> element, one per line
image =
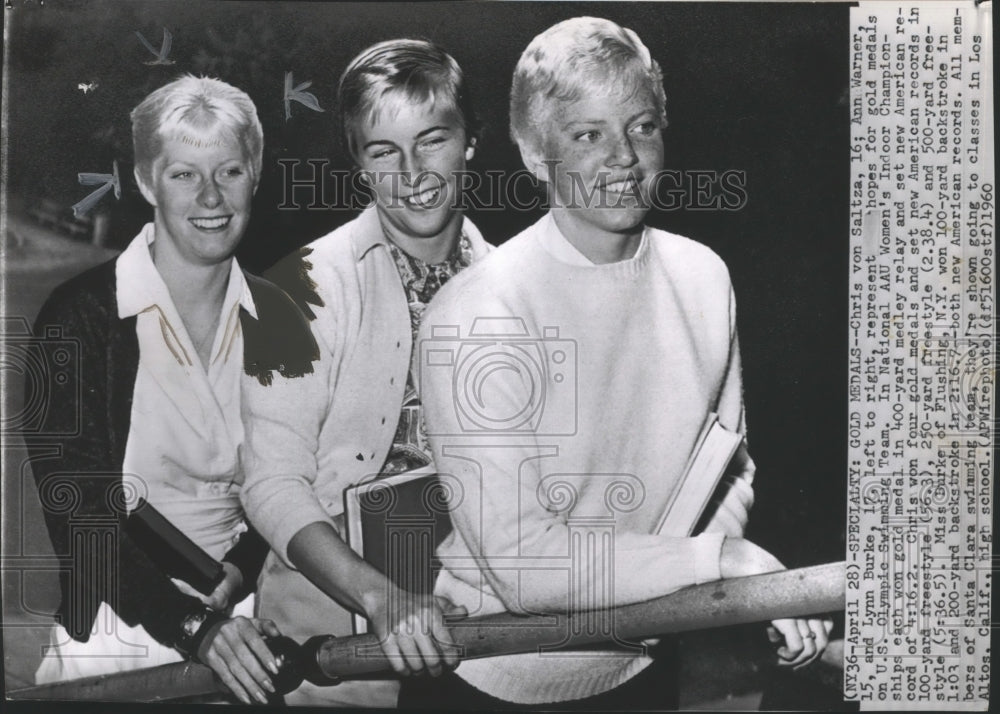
<point x="630" y="356"/>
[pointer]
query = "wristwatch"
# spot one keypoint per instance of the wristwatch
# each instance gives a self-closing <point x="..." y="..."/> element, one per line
<point x="193" y="629"/>
<point x="192" y="623"/>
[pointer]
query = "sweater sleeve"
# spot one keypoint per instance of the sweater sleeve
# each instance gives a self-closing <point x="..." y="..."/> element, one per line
<point x="80" y="485"/>
<point x="735" y="496"/>
<point x="283" y="422"/>
<point x="283" y="418"/>
<point x="533" y="550"/>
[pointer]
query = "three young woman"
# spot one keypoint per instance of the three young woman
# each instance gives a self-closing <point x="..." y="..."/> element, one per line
<point x="321" y="416"/>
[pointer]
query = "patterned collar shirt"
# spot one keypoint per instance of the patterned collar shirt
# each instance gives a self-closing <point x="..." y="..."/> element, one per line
<point x="421" y="282"/>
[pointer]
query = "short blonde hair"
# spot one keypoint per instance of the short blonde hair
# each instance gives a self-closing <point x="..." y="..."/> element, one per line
<point x="197" y="105"/>
<point x="571" y="58"/>
<point x="402" y="71"/>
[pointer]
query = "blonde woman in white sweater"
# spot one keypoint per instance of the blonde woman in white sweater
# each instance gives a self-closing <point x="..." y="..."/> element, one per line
<point x="585" y="353"/>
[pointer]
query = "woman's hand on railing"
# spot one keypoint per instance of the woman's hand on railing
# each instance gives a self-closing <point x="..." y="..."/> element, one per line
<point x="799" y="640"/>
<point x="412" y="632"/>
<point x="236" y="651"/>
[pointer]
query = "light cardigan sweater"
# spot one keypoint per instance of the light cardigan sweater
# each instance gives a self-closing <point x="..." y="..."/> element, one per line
<point x="308" y="439"/>
<point x="559" y="474"/>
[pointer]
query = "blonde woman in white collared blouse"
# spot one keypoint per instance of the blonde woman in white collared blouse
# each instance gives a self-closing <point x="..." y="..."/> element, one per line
<point x="165" y="330"/>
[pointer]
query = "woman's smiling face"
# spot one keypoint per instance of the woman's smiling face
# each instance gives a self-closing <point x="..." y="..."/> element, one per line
<point x="601" y="154"/>
<point x="201" y="189"/>
<point x="412" y="156"/>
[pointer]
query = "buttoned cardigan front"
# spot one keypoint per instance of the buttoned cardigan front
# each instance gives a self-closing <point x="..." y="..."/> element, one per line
<point x="309" y="438"/>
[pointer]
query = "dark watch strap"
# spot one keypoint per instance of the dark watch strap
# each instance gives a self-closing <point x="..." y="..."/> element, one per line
<point x="193" y="629"/>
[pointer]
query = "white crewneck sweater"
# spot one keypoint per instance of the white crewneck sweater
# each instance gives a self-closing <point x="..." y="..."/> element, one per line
<point x="559" y="472"/>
